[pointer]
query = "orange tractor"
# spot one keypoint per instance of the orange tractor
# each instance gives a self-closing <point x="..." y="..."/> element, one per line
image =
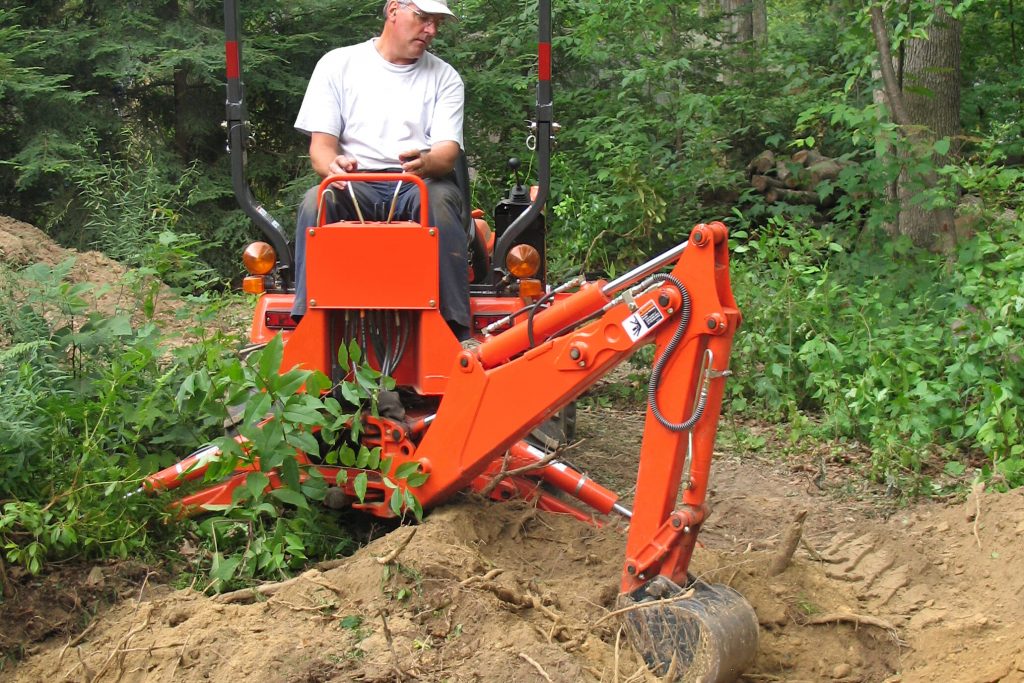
<point x="483" y="411"/>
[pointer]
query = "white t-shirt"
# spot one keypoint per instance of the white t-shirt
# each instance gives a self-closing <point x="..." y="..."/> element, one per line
<point x="377" y="109"/>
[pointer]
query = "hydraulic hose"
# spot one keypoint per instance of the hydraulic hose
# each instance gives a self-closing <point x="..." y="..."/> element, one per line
<point x="659" y="365"/>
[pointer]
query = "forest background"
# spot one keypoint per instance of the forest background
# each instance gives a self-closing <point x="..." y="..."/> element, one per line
<point x="882" y="293"/>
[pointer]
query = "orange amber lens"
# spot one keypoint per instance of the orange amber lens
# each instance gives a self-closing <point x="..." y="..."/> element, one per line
<point x="522" y="260"/>
<point x="253" y="284"/>
<point x="259" y="258"/>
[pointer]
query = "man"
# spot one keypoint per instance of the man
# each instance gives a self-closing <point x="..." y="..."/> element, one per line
<point x="388" y="104"/>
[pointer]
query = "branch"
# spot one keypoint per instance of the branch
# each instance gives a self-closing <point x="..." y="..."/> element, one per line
<point x="543" y="462"/>
<point x="892" y="89"/>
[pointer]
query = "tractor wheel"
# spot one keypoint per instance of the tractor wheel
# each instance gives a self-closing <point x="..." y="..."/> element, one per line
<point x="556" y="432"/>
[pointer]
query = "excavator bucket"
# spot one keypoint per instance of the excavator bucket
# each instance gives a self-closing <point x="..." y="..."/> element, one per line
<point x="703" y="632"/>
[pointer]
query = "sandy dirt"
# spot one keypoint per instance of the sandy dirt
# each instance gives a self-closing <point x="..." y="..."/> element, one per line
<point x="498" y="592"/>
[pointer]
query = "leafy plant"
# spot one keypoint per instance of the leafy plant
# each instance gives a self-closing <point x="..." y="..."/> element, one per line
<point x="285" y="416"/>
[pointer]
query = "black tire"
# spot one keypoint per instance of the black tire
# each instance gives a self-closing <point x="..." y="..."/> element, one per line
<point x="556" y="432"/>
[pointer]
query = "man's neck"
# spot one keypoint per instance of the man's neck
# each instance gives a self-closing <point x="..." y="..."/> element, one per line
<point x="386" y="49"/>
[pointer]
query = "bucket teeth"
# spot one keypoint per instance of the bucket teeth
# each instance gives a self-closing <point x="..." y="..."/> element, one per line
<point x="700" y="632"/>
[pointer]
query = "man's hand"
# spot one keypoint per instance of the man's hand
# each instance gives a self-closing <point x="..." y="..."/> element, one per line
<point x="415" y="161"/>
<point x="341" y="164"/>
<point x="436" y="162"/>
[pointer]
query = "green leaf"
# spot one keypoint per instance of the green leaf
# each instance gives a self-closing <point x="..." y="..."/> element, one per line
<point x="941" y="147"/>
<point x="256" y="408"/>
<point x="347" y="455"/>
<point x="255" y="483"/>
<point x="287" y="384"/>
<point x="270" y="357"/>
<point x="355" y="353"/>
<point x="317" y="383"/>
<point x="416" y="479"/>
<point x="290" y="473"/>
<point x="291" y="497"/>
<point x="304" y="441"/>
<point x="396" y="502"/>
<point x="222" y="569"/>
<point x="373" y="461"/>
<point x="364" y="457"/>
<point x="360" y="484"/>
<point x="405" y="469"/>
<point x="351" y="622"/>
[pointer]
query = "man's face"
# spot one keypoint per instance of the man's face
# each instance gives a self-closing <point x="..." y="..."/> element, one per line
<point x="414" y="30"/>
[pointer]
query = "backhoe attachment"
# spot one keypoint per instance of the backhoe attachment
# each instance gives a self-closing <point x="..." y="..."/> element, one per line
<point x="483" y="402"/>
<point x="700" y="632"/>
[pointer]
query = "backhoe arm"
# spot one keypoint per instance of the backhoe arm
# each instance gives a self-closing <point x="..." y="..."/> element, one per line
<point x="498" y="392"/>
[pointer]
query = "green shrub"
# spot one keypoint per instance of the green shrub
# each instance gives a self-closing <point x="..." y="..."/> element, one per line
<point x="912" y="353"/>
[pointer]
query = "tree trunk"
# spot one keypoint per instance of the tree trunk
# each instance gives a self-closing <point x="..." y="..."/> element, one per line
<point x="759" y="19"/>
<point x="926" y="105"/>
<point x="931" y="94"/>
<point x="739" y="20"/>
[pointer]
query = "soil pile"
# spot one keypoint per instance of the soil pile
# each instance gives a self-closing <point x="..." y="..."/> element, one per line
<point x="488" y="592"/>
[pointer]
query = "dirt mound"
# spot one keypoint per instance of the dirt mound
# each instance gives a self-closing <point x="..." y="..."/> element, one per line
<point x="113" y="288"/>
<point x="500" y="592"/>
<point x="23" y="245"/>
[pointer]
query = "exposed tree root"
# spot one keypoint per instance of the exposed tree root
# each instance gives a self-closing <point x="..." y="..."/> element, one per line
<point x="844" y="617"/>
<point x="393" y="555"/>
<point x="784" y="555"/>
<point x="536" y="666"/>
<point x="246" y="595"/>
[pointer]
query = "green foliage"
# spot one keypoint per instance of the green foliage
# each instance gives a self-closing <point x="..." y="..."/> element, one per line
<point x="87" y="412"/>
<point x="910" y="353"/>
<point x="281" y="416"/>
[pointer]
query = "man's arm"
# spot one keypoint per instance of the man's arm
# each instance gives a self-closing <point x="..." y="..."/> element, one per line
<point x="324" y="157"/>
<point x="435" y="162"/>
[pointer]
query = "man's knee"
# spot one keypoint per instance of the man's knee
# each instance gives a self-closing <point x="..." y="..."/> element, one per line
<point x="445" y="193"/>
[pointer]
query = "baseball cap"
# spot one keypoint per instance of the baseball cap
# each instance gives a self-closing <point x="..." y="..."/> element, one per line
<point x="434" y="7"/>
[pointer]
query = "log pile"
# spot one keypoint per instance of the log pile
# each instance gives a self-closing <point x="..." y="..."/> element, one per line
<point x="795" y="180"/>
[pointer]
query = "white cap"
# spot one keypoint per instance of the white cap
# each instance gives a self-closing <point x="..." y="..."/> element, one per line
<point x="434" y="7"/>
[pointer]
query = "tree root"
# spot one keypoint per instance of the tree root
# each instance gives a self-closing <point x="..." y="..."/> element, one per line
<point x="784" y="555"/>
<point x="641" y="605"/>
<point x="247" y="595"/>
<point x="849" y="618"/>
<point x="536" y="666"/>
<point x="393" y="555"/>
<point x="486" y="577"/>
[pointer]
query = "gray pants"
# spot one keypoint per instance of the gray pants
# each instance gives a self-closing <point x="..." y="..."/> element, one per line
<point x="445" y="212"/>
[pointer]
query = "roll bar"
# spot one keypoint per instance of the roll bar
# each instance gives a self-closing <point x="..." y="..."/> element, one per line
<point x="238" y="138"/>
<point x="544" y="125"/>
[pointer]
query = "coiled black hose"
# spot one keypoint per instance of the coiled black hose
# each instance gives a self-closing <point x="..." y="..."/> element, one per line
<point x="659" y="365"/>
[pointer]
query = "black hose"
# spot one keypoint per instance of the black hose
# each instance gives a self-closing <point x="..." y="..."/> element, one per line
<point x="533" y="310"/>
<point x="659" y="364"/>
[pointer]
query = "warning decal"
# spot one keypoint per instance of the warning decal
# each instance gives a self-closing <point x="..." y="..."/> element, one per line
<point x="640" y="323"/>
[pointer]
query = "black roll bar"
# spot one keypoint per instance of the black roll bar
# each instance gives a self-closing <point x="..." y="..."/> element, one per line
<point x="238" y="139"/>
<point x="544" y="123"/>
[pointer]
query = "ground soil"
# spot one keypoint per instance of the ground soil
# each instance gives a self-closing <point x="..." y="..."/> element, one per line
<point x="926" y="591"/>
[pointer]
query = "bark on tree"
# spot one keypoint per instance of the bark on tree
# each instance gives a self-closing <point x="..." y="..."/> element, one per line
<point x="739" y="19"/>
<point x="926" y="105"/>
<point x="932" y="97"/>
<point x="759" y="17"/>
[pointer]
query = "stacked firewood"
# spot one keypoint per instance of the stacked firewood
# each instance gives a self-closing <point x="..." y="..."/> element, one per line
<point x="795" y="180"/>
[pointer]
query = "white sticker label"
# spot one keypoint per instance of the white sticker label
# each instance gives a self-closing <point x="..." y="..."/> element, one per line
<point x="640" y="323"/>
